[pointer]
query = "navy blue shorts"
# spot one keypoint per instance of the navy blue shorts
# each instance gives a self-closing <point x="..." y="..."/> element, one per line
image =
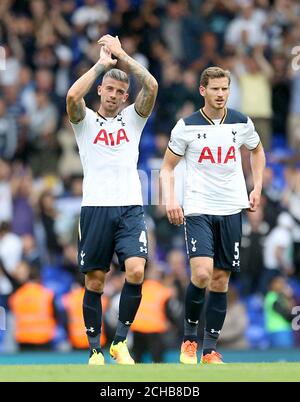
<point x="105" y="230"/>
<point x="215" y="236"/>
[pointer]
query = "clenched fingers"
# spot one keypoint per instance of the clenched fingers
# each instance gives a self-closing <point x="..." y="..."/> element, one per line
<point x="175" y="215"/>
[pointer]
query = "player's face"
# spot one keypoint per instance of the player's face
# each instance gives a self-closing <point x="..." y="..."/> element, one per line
<point x="113" y="94"/>
<point x="216" y="93"/>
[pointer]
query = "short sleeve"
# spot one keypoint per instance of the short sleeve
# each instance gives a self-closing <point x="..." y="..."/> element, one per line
<point x="135" y="119"/>
<point x="252" y="139"/>
<point x="177" y="143"/>
<point x="80" y="128"/>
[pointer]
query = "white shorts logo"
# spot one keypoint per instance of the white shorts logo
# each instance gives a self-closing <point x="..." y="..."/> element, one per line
<point x="193" y="241"/>
<point x="82" y="255"/>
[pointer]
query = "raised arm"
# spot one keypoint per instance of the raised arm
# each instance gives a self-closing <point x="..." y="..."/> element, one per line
<point x="167" y="183"/>
<point x="263" y="63"/>
<point x="258" y="162"/>
<point x="75" y="95"/>
<point x="146" y="98"/>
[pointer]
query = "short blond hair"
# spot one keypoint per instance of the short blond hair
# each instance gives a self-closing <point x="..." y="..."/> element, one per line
<point x="117" y="74"/>
<point x="213" y="72"/>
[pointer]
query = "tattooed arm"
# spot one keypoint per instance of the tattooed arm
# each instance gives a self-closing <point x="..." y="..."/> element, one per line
<point x="75" y="95"/>
<point x="146" y="98"/>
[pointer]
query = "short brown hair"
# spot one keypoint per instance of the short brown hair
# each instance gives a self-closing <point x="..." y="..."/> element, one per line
<point x="213" y="72"/>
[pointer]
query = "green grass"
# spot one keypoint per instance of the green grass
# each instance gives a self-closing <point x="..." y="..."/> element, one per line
<point x="152" y="372"/>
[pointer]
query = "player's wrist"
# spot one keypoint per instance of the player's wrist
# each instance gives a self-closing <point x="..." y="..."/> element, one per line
<point x="120" y="54"/>
<point x="172" y="204"/>
<point x="257" y="187"/>
<point x="100" y="67"/>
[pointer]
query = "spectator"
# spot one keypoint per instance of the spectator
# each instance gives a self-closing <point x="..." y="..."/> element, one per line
<point x="6" y="206"/>
<point x="278" y="305"/>
<point x="69" y="161"/>
<point x="291" y="200"/>
<point x="8" y="133"/>
<point x="23" y="200"/>
<point x="233" y="334"/>
<point x="278" y="250"/>
<point x="172" y="27"/>
<point x="10" y="255"/>
<point x="294" y="117"/>
<point x="91" y="12"/>
<point x="255" y="86"/>
<point x="281" y="91"/>
<point x="255" y="230"/>
<point x="48" y="215"/>
<point x="247" y="29"/>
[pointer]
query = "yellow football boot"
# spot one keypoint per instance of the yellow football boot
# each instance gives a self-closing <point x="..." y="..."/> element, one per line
<point x="120" y="353"/>
<point x="97" y="359"/>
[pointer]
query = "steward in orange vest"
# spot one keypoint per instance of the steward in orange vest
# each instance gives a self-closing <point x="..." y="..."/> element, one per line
<point x="151" y="322"/>
<point x="33" y="307"/>
<point x="72" y="302"/>
<point x="151" y="316"/>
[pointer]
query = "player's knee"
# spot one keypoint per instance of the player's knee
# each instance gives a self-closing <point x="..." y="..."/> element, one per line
<point x="201" y="278"/>
<point x="135" y="275"/>
<point x="94" y="284"/>
<point x="219" y="284"/>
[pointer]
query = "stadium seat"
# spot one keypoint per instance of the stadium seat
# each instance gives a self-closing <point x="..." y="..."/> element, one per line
<point x="255" y="333"/>
<point x="56" y="279"/>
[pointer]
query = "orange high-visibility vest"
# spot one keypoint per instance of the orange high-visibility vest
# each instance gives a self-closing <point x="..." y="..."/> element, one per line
<point x="76" y="328"/>
<point x="32" y="305"/>
<point x="151" y="315"/>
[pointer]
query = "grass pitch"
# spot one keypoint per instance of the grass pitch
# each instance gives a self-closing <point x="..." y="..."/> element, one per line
<point x="256" y="372"/>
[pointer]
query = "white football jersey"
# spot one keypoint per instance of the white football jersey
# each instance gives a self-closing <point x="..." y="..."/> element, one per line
<point x="214" y="182"/>
<point x="109" y="151"/>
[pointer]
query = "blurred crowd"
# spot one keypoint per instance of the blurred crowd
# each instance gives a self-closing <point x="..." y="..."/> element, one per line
<point x="47" y="46"/>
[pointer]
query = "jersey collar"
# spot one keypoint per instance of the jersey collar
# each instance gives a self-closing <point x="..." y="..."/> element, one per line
<point x="100" y="115"/>
<point x="207" y="118"/>
<point x="105" y="118"/>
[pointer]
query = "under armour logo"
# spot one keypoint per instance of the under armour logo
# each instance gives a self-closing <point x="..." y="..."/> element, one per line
<point x="143" y="249"/>
<point x="234" y="134"/>
<point x="192" y="322"/>
<point x="201" y="135"/>
<point x="100" y="122"/>
<point x="234" y="263"/>
<point x="214" y="331"/>
<point x="91" y="329"/>
<point x="193" y="241"/>
<point x="82" y="255"/>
